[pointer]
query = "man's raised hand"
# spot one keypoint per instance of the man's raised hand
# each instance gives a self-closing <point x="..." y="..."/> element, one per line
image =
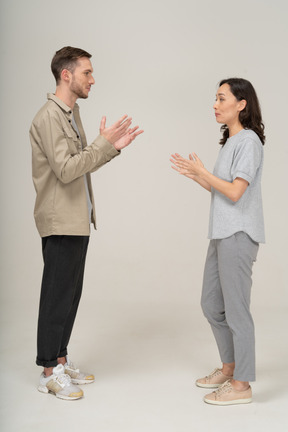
<point x="119" y="134"/>
<point x="125" y="140"/>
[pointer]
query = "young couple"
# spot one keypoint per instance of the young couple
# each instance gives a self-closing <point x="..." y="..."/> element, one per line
<point x="64" y="209"/>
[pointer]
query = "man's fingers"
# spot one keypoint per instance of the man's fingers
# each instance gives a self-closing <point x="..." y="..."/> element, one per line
<point x="125" y="125"/>
<point x="131" y="131"/>
<point x="103" y="123"/>
<point x="118" y="123"/>
<point x="122" y="121"/>
<point x="135" y="134"/>
<point x="138" y="132"/>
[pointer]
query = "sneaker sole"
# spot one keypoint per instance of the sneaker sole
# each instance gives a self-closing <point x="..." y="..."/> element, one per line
<point x="43" y="389"/>
<point x="225" y="403"/>
<point x="78" y="381"/>
<point x="208" y="385"/>
<point x="68" y="397"/>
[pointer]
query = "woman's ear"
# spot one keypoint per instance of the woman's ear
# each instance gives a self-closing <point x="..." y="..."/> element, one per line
<point x="242" y="104"/>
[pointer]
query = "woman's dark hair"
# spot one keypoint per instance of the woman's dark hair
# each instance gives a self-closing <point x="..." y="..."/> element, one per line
<point x="250" y="117"/>
<point x="66" y="58"/>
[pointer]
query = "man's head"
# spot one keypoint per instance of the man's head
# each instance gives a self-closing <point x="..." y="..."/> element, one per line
<point x="66" y="58"/>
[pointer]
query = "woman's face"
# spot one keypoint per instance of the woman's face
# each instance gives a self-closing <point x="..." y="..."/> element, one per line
<point x="227" y="107"/>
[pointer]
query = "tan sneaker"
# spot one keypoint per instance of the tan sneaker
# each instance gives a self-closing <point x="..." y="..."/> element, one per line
<point x="214" y="380"/>
<point x="228" y="395"/>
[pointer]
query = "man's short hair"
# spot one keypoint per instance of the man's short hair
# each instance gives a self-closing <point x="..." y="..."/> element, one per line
<point x="66" y="58"/>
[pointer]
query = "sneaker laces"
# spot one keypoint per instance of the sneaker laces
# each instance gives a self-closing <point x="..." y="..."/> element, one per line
<point x="71" y="365"/>
<point x="214" y="373"/>
<point x="60" y="377"/>
<point x="224" y="388"/>
<point x="63" y="380"/>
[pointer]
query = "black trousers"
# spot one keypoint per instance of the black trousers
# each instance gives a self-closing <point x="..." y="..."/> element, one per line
<point x="64" y="263"/>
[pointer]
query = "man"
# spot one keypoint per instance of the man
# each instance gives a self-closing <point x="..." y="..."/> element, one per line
<point x="64" y="208"/>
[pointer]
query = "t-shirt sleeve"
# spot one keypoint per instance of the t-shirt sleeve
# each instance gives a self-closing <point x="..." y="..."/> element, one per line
<point x="247" y="159"/>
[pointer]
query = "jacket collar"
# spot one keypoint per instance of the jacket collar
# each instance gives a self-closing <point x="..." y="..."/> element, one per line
<point x="62" y="105"/>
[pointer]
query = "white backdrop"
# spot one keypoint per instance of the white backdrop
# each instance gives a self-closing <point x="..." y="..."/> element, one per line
<point x="158" y="61"/>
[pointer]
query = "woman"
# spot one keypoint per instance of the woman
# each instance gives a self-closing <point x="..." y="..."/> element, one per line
<point x="236" y="228"/>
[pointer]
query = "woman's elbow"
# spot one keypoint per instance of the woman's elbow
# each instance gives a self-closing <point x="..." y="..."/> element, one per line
<point x="236" y="195"/>
<point x="238" y="190"/>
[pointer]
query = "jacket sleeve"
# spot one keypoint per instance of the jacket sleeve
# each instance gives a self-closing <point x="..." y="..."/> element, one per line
<point x="63" y="149"/>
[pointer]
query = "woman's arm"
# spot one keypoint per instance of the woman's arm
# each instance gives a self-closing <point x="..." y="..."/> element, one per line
<point x="197" y="179"/>
<point x="194" y="168"/>
<point x="200" y="181"/>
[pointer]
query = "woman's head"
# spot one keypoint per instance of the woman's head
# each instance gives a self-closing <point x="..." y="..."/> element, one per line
<point x="249" y="113"/>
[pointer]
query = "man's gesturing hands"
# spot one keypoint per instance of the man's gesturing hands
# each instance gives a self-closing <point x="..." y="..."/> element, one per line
<point x="120" y="134"/>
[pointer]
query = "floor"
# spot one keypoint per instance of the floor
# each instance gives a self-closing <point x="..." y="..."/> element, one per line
<point x="145" y="359"/>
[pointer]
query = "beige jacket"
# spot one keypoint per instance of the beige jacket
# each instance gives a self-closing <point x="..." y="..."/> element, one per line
<point x="58" y="168"/>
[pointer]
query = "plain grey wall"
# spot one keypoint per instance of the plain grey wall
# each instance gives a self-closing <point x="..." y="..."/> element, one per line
<point x="160" y="62"/>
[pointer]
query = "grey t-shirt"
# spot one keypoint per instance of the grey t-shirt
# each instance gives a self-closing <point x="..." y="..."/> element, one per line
<point x="241" y="156"/>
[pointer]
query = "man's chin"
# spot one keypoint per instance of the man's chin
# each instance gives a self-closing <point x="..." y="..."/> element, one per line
<point x="83" y="96"/>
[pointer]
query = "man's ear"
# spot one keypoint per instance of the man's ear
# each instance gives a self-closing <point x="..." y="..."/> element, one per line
<point x="242" y="104"/>
<point x="65" y="75"/>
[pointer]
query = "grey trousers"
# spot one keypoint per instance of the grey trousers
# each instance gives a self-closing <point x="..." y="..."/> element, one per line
<point x="226" y="301"/>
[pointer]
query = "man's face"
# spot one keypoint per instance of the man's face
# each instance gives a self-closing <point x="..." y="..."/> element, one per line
<point x="82" y="78"/>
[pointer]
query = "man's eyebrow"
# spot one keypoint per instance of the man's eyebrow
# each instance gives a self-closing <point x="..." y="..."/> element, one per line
<point x="220" y="94"/>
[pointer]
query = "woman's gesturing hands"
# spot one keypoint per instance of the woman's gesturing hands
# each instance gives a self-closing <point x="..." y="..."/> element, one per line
<point x="191" y="167"/>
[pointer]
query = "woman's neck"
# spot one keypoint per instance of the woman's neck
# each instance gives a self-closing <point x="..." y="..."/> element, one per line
<point x="234" y="129"/>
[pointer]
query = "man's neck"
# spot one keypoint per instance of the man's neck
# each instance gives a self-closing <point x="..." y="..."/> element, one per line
<point x="68" y="98"/>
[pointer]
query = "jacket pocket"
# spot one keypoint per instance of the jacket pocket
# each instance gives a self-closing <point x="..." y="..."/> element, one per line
<point x="73" y="141"/>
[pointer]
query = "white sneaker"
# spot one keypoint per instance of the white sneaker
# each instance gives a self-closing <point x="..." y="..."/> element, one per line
<point x="60" y="384"/>
<point x="77" y="377"/>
